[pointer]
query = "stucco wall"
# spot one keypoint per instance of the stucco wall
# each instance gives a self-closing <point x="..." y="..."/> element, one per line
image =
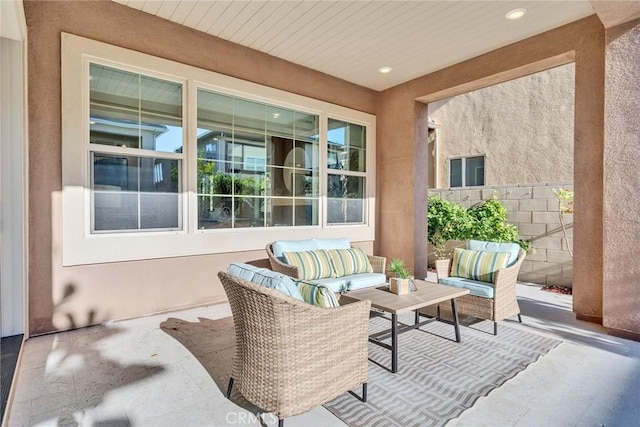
<point x="523" y="127"/>
<point x="401" y="226"/>
<point x="66" y="297"/>
<point x="534" y="209"/>
<point x="621" y="180"/>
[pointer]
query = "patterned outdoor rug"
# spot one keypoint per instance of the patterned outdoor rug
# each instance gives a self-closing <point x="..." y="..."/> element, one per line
<point x="438" y="378"/>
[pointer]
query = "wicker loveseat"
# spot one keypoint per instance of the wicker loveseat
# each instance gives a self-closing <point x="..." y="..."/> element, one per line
<point x="292" y="356"/>
<point x="495" y="300"/>
<point x="337" y="283"/>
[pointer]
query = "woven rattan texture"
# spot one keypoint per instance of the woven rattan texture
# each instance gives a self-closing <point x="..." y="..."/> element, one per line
<point x="504" y="303"/>
<point x="292" y="356"/>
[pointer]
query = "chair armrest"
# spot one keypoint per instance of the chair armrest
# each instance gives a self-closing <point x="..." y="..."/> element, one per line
<point x="378" y="263"/>
<point x="280" y="267"/>
<point x="443" y="268"/>
<point x="508" y="276"/>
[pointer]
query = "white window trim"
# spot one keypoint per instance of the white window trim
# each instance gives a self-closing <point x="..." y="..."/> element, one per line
<point x="464" y="169"/>
<point x="80" y="247"/>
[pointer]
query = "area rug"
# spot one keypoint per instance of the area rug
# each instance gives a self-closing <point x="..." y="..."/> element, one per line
<point x="437" y="377"/>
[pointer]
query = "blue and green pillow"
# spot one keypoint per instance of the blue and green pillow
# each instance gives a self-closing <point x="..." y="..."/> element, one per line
<point x="478" y="265"/>
<point x="350" y="261"/>
<point x="312" y="265"/>
<point x="317" y="295"/>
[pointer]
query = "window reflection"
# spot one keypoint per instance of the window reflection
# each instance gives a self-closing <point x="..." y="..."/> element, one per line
<point x="130" y="112"/>
<point x="266" y="158"/>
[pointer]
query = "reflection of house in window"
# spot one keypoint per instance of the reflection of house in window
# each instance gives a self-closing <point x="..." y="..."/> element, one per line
<point x="466" y="171"/>
<point x="131" y="191"/>
<point x="110" y="173"/>
<point x="252" y="163"/>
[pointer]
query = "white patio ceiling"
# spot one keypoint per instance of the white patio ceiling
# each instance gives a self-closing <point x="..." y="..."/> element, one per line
<point x="353" y="39"/>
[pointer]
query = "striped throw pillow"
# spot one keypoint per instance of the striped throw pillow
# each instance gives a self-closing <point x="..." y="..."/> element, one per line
<point x="318" y="295"/>
<point x="478" y="265"/>
<point x="350" y="261"/>
<point x="312" y="265"/>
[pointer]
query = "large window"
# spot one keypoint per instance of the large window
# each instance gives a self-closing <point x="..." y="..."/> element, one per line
<point x="135" y="151"/>
<point x="161" y="159"/>
<point x="346" y="172"/>
<point x="257" y="164"/>
<point x="466" y="171"/>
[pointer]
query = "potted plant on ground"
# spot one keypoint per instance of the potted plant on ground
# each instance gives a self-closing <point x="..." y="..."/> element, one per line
<point x="399" y="282"/>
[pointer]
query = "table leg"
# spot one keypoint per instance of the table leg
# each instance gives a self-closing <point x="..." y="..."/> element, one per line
<point x="417" y="317"/>
<point x="394" y="343"/>
<point x="454" y="312"/>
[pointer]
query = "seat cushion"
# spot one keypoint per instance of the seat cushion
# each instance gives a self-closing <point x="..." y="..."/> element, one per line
<point x="477" y="288"/>
<point x="312" y="265"/>
<point x="336" y="284"/>
<point x="318" y="295"/>
<point x="365" y="280"/>
<point x="350" y="261"/>
<point x="279" y="247"/>
<point x="265" y="277"/>
<point x="512" y="248"/>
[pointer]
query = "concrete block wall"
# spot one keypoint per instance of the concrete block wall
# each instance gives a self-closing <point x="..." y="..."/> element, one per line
<point x="533" y="208"/>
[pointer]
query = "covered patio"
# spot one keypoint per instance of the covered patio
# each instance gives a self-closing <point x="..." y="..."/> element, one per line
<point x="144" y="372"/>
<point x="92" y="279"/>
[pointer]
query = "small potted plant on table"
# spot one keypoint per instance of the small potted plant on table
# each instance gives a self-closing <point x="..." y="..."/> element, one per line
<point x="399" y="283"/>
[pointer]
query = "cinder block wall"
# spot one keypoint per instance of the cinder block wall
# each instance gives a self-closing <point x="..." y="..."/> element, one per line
<point x="534" y="209"/>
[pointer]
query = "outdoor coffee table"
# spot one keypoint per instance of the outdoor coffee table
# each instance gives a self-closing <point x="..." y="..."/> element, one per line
<point x="428" y="293"/>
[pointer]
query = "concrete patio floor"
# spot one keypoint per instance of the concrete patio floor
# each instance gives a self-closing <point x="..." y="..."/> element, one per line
<point x="138" y="373"/>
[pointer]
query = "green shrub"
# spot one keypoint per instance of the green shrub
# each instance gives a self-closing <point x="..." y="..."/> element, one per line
<point x="446" y="221"/>
<point x="485" y="221"/>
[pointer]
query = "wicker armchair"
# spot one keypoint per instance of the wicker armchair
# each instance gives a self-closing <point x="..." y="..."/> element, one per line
<point x="292" y="356"/>
<point x="504" y="302"/>
<point x="378" y="264"/>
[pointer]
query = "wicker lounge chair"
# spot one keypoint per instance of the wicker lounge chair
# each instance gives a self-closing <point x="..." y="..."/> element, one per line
<point x="291" y="356"/>
<point x="504" y="302"/>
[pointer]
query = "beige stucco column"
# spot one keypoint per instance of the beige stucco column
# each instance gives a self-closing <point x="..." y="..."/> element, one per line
<point x="402" y="182"/>
<point x="621" y="290"/>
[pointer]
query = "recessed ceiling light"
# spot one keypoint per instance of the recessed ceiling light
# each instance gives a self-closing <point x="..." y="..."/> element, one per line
<point x="516" y="13"/>
<point x="276" y="115"/>
<point x="384" y="70"/>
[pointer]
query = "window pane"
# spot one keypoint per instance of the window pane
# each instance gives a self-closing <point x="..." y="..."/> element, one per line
<point x="212" y="142"/>
<point x="280" y="121"/>
<point x="248" y="150"/>
<point x="159" y="210"/>
<point x="281" y="182"/>
<point x="346" y="196"/>
<point x="277" y="150"/>
<point x="136" y="111"/>
<point x="264" y="159"/>
<point x="221" y="183"/>
<point x="455" y="173"/>
<point x="346" y="146"/>
<point x="249" y="184"/>
<point x="307" y="155"/>
<point x="214" y="212"/>
<point x="306" y="212"/>
<point x="474" y="171"/>
<point x="306" y="127"/>
<point x="279" y="212"/>
<point x="115" y="210"/>
<point x="133" y="193"/>
<point x="249" y="212"/>
<point x="214" y="110"/>
<point x="249" y="115"/>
